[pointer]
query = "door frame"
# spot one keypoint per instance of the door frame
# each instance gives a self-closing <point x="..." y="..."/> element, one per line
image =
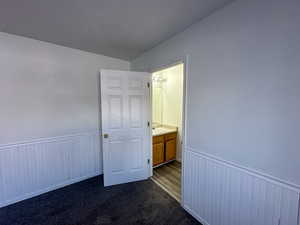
<point x="176" y="61"/>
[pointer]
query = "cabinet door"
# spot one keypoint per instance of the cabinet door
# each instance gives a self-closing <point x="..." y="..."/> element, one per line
<point x="158" y="153"/>
<point x="170" y="149"/>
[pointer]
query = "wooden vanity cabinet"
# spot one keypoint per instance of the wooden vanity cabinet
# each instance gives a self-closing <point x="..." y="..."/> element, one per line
<point x="164" y="148"/>
<point x="158" y="153"/>
<point x="170" y="148"/>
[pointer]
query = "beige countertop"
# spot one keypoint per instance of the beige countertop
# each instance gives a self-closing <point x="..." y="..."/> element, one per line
<point x="163" y="130"/>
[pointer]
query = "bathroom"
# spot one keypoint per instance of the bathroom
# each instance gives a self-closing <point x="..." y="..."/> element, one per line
<point x="167" y="128"/>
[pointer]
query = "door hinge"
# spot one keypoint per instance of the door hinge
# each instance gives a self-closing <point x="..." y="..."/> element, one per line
<point x="148" y="161"/>
<point x="148" y="123"/>
<point x="148" y="84"/>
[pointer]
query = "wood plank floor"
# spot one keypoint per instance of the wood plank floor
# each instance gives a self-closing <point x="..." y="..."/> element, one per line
<point x="168" y="177"/>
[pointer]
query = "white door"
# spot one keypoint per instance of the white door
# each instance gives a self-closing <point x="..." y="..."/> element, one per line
<point x="125" y="109"/>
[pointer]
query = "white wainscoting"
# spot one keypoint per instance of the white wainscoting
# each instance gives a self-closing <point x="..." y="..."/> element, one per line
<point x="38" y="166"/>
<point x="217" y="192"/>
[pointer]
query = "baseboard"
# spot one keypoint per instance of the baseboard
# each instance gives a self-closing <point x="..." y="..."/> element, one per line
<point x="195" y="215"/>
<point x="51" y="188"/>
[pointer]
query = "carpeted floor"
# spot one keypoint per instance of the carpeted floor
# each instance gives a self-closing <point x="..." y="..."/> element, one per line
<point x="89" y="203"/>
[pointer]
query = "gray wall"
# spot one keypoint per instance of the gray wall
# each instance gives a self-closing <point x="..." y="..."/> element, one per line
<point x="243" y="85"/>
<point x="47" y="90"/>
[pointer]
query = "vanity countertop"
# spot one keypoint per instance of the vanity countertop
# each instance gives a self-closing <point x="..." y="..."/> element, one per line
<point x="162" y="130"/>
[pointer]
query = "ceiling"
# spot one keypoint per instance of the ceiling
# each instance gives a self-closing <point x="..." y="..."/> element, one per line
<point x="117" y="28"/>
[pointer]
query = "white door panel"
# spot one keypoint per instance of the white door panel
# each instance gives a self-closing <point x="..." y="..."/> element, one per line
<point x="125" y="109"/>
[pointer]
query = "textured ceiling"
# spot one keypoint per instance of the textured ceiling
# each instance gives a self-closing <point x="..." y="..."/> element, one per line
<point x="117" y="28"/>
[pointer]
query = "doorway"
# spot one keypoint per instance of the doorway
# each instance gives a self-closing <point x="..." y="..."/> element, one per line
<point x="129" y="143"/>
<point x="167" y="128"/>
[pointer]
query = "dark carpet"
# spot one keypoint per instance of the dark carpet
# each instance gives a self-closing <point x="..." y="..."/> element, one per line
<point x="89" y="203"/>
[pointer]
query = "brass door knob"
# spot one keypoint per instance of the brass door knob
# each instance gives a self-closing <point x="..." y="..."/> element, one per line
<point x="105" y="135"/>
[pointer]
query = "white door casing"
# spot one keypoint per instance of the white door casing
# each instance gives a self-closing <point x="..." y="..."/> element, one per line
<point x="125" y="112"/>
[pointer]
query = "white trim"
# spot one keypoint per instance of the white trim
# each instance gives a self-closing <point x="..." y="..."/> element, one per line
<point x="149" y="114"/>
<point x="184" y="125"/>
<point x="253" y="172"/>
<point x="150" y="119"/>
<point x="47" y="139"/>
<point x="195" y="215"/>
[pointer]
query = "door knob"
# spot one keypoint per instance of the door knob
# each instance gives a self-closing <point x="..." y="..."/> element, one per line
<point x="105" y="135"/>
